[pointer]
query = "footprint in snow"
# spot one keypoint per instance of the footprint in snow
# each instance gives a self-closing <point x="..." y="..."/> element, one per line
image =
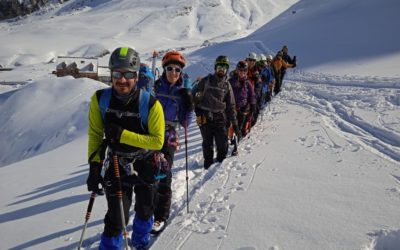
<point x="212" y="219"/>
<point x="241" y="174"/>
<point x="202" y="205"/>
<point x="239" y="189"/>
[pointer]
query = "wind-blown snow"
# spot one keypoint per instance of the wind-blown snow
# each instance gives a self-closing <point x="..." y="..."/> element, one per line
<point x="320" y="170"/>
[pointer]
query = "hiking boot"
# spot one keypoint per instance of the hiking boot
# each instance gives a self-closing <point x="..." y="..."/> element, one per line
<point x="235" y="152"/>
<point x="158" y="227"/>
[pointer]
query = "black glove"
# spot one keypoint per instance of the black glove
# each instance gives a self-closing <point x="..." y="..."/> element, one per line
<point x="186" y="100"/>
<point x="237" y="132"/>
<point x="113" y="132"/>
<point x="95" y="178"/>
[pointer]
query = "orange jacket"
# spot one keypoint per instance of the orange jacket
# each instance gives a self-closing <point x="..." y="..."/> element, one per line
<point x="279" y="63"/>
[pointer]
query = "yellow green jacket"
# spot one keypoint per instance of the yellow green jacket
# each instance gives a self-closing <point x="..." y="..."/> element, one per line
<point x="153" y="140"/>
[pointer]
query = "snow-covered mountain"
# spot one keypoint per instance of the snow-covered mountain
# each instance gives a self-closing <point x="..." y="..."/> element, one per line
<point x="320" y="170"/>
<point x="347" y="37"/>
<point x="87" y="28"/>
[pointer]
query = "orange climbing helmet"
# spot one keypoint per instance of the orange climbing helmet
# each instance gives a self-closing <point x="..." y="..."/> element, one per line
<point x="175" y="57"/>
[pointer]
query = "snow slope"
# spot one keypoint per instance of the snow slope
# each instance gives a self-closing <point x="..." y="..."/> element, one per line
<point x="319" y="171"/>
<point x="344" y="38"/>
<point x="56" y="118"/>
<point x="87" y="28"/>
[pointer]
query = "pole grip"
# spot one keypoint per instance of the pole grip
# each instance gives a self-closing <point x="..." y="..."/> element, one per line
<point x="90" y="205"/>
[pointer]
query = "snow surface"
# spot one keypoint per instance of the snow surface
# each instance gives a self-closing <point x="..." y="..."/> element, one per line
<point x="319" y="171"/>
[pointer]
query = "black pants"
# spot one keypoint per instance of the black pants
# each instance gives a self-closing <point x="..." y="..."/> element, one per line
<point x="214" y="131"/>
<point x="278" y="83"/>
<point x="241" y="118"/>
<point x="144" y="189"/>
<point x="283" y="72"/>
<point x="164" y="192"/>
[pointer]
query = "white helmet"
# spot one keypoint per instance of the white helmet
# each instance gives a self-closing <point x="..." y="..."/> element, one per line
<point x="269" y="57"/>
<point x="252" y="55"/>
<point x="263" y="57"/>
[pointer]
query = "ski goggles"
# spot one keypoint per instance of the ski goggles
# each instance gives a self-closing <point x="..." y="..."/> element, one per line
<point x="127" y="75"/>
<point x="177" y="70"/>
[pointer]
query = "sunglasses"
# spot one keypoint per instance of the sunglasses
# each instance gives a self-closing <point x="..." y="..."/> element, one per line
<point x="127" y="75"/>
<point x="250" y="60"/>
<point x="177" y="70"/>
<point x="221" y="67"/>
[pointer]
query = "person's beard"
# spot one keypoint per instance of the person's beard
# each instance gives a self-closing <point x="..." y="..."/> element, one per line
<point x="221" y="73"/>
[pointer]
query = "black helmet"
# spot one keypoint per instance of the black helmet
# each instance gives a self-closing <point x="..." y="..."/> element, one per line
<point x="124" y="58"/>
<point x="242" y="65"/>
<point x="221" y="60"/>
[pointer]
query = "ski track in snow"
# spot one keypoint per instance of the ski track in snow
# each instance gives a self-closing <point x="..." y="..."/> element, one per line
<point x="339" y="112"/>
<point x="212" y="210"/>
<point x="344" y="114"/>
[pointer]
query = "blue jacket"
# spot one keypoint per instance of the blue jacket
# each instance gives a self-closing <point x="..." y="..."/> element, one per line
<point x="267" y="75"/>
<point x="167" y="95"/>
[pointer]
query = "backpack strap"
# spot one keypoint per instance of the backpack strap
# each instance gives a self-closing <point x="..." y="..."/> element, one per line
<point x="104" y="102"/>
<point x="144" y="100"/>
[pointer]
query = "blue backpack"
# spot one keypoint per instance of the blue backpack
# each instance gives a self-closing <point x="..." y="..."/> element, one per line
<point x="146" y="78"/>
<point x="144" y="100"/>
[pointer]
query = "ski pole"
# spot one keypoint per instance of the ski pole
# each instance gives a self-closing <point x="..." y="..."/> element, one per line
<point x="153" y="63"/>
<point x="187" y="176"/>
<point x="119" y="196"/>
<point x="87" y="217"/>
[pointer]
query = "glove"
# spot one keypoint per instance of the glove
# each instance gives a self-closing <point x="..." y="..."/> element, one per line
<point x="113" y="132"/>
<point x="186" y="100"/>
<point x="95" y="178"/>
<point x="237" y="132"/>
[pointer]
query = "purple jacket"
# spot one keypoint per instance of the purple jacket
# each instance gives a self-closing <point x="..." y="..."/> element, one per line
<point x="243" y="91"/>
<point x="167" y="95"/>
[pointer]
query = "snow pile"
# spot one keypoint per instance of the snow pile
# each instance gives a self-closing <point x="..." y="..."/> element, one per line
<point x="43" y="115"/>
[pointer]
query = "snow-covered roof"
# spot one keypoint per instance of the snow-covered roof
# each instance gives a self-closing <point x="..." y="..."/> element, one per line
<point x="103" y="71"/>
<point x="82" y="63"/>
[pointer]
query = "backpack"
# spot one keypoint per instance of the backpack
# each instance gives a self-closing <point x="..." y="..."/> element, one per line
<point x="144" y="100"/>
<point x="187" y="83"/>
<point x="146" y="78"/>
<point x="200" y="93"/>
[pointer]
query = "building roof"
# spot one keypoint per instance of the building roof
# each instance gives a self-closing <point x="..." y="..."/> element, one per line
<point x="103" y="71"/>
<point x="86" y="65"/>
